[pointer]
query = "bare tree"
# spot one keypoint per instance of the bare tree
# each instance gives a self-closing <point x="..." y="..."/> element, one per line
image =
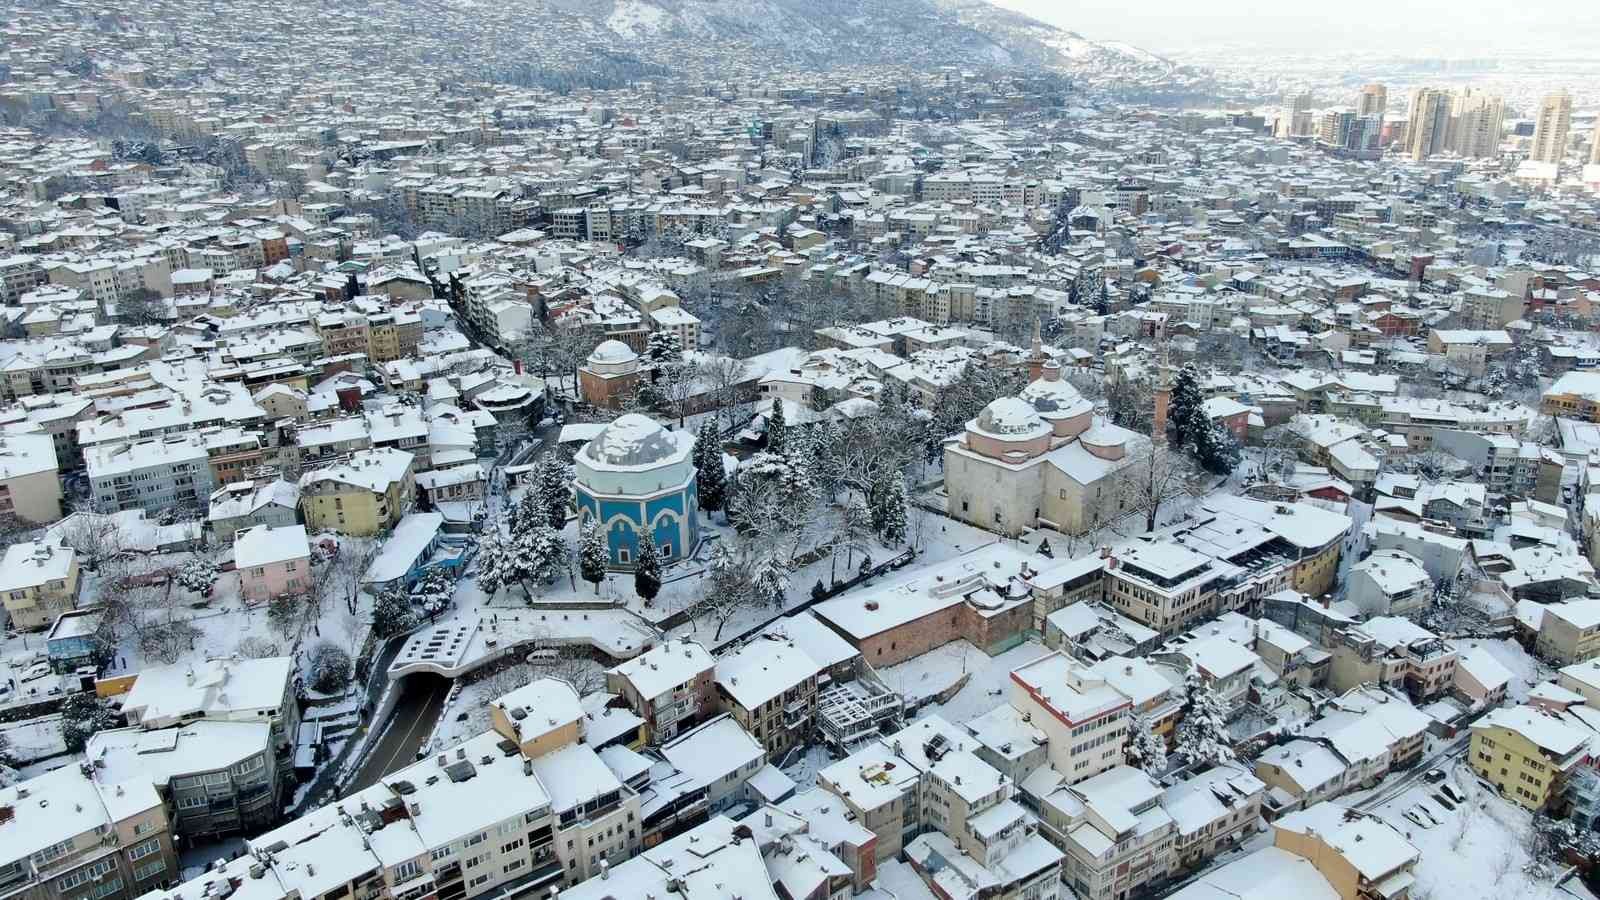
<point x="1155" y="476"/>
<point x="95" y="537"/>
<point x="724" y="380"/>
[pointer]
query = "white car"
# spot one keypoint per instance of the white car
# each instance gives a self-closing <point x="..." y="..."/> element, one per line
<point x="37" y="670"/>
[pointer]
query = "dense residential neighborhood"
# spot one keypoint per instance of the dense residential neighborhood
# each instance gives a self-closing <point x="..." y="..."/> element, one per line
<point x="672" y="449"/>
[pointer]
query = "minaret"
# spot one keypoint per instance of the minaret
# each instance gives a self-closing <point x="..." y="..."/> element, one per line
<point x="1036" y="359"/>
<point x="1158" y="424"/>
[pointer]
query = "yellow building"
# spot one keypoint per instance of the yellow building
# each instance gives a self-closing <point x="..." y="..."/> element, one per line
<point x="1526" y="753"/>
<point x="30" y="487"/>
<point x="1361" y="856"/>
<point x="541" y="716"/>
<point x="38" y="581"/>
<point x="365" y="494"/>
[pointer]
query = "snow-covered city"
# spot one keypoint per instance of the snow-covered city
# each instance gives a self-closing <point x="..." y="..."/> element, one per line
<point x="879" y="449"/>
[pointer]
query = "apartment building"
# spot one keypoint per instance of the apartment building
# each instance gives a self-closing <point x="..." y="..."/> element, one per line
<point x="1116" y="836"/>
<point x="1395" y="652"/>
<point x="366" y="494"/>
<point x="30" y="485"/>
<point x="1084" y="719"/>
<point x="38" y="581"/>
<point x="155" y="475"/>
<point x="19" y="274"/>
<point x="217" y="777"/>
<point x="1359" y="855"/>
<point x="68" y="835"/>
<point x="670" y="686"/>
<point x="770" y="687"/>
<point x="1569" y="632"/>
<point x="923" y="790"/>
<point x="1163" y="584"/>
<point x="1528" y="754"/>
<point x="225" y="690"/>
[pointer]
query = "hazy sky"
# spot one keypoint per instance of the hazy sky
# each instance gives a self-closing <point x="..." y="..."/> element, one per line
<point x="1466" y="27"/>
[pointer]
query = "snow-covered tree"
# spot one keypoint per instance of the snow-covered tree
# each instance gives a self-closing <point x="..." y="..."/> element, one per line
<point x="82" y="715"/>
<point x="555" y="490"/>
<point x="544" y="555"/>
<point x="647" y="569"/>
<point x="1202" y="737"/>
<point x="329" y="671"/>
<point x="1145" y="749"/>
<point x="711" y="478"/>
<point x="769" y="581"/>
<point x="1156" y="476"/>
<point x="434" y="590"/>
<point x="1216" y="449"/>
<point x="528" y="513"/>
<point x="198" y="575"/>
<point x="889" y="516"/>
<point x="824" y="446"/>
<point x="777" y="428"/>
<point x="392" y="613"/>
<point x="592" y="554"/>
<point x="728" y="588"/>
<point x="493" y="563"/>
<point x="663" y="347"/>
<point x="8" y="763"/>
<point x="1186" y="417"/>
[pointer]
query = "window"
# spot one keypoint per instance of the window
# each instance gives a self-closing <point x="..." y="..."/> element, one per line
<point x="191" y="802"/>
<point x="85" y="874"/>
<point x="513" y="845"/>
<point x="407" y="870"/>
<point x="623" y="555"/>
<point x="150" y="869"/>
<point x="140" y="851"/>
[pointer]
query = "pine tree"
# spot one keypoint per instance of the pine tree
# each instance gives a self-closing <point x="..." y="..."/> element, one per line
<point x="769" y="583"/>
<point x="392" y="613"/>
<point x="555" y="491"/>
<point x="548" y="555"/>
<point x="82" y="715"/>
<point x="892" y="514"/>
<point x="434" y="590"/>
<point x="1216" y="449"/>
<point x="777" y="428"/>
<point x="1203" y="733"/>
<point x="492" y="550"/>
<point x="198" y="575"/>
<point x="1186" y="414"/>
<point x="711" y="477"/>
<point x="647" y="570"/>
<point x="592" y="554"/>
<point x="1146" y="749"/>
<point x="663" y="347"/>
<point x="822" y="450"/>
<point x="529" y="512"/>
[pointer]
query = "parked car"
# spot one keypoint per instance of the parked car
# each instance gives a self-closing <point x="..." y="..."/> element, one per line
<point x="37" y="670"/>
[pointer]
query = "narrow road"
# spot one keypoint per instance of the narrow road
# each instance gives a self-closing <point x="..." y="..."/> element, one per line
<point x="413" y="718"/>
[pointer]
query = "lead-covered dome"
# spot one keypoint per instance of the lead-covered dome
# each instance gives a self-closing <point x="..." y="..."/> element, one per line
<point x="634" y="440"/>
<point x="1056" y="399"/>
<point x="612" y="351"/>
<point x="1009" y="417"/>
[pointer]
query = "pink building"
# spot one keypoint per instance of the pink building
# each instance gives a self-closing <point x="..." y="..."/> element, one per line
<point x="272" y="562"/>
<point x="1230" y="414"/>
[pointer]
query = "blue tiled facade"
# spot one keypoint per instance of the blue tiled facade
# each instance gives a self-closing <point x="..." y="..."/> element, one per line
<point x="671" y="516"/>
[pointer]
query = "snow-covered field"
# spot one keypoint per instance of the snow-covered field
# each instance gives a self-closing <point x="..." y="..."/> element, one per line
<point x="1472" y="848"/>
